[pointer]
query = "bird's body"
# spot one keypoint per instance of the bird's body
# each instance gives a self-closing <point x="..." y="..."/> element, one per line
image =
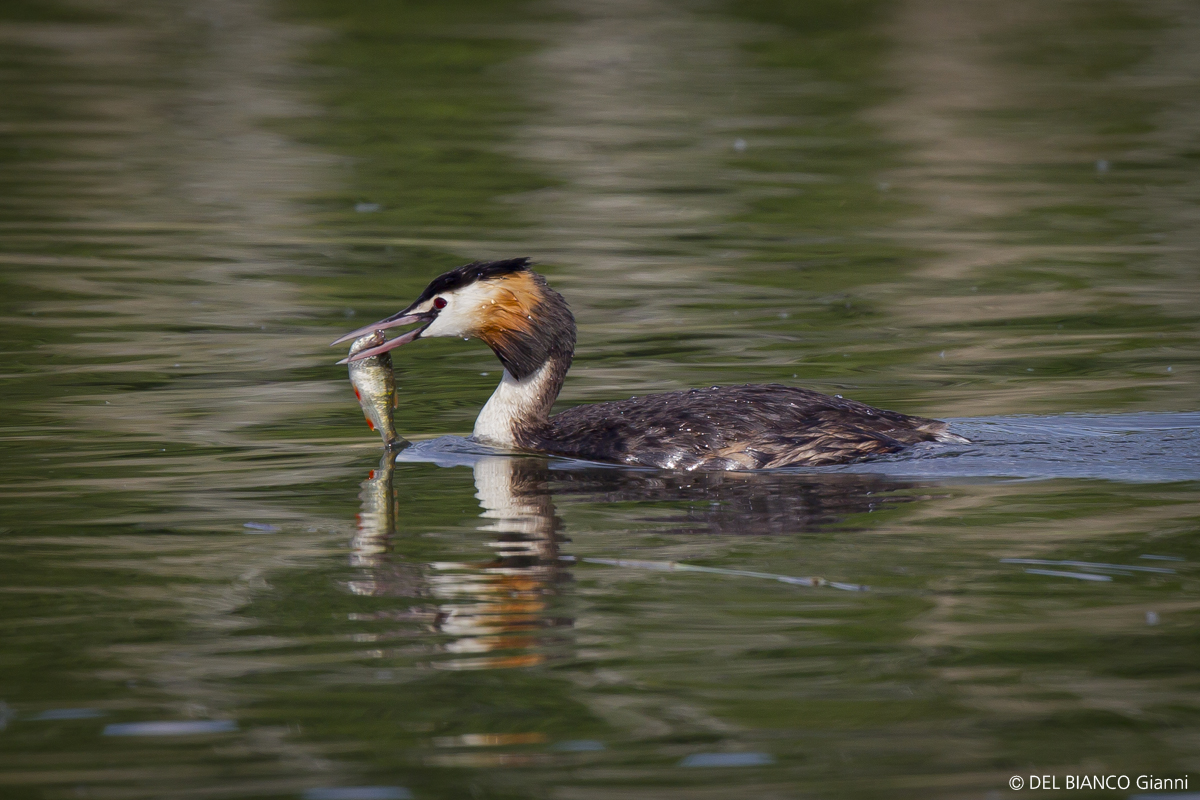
<point x="732" y="428"/>
<point x="530" y="328"/>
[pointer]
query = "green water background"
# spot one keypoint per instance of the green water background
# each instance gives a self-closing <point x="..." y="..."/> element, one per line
<point x="951" y="209"/>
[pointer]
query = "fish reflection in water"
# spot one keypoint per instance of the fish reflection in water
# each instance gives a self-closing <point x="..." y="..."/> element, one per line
<point x="499" y="612"/>
<point x="372" y="541"/>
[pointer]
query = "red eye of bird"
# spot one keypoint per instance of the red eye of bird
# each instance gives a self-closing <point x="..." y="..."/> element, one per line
<point x="439" y="302"/>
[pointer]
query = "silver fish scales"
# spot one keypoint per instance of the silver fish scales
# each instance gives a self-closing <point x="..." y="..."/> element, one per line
<point x="374" y="385"/>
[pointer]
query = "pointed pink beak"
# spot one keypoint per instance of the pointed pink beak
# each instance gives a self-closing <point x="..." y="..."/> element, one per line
<point x="391" y="322"/>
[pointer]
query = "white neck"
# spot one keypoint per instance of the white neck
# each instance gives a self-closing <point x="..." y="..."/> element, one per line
<point x="517" y="404"/>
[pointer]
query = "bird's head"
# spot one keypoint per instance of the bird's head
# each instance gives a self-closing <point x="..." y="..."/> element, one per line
<point x="503" y="303"/>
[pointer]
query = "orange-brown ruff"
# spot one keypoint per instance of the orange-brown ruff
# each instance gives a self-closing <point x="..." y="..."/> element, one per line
<point x="530" y="328"/>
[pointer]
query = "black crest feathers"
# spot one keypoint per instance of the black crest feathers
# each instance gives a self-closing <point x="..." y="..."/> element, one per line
<point x="470" y="273"/>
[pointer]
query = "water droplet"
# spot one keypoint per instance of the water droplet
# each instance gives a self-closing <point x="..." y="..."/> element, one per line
<point x="739" y="145"/>
<point x="1151" y="618"/>
<point x="1101" y="165"/>
<point x="367" y="208"/>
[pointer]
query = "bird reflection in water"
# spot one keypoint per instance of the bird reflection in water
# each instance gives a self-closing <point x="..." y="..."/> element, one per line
<point x="737" y="503"/>
<point x="497" y="612"/>
<point x="505" y="611"/>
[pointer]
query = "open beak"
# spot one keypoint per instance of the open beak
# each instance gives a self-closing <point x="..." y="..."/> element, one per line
<point x="394" y="321"/>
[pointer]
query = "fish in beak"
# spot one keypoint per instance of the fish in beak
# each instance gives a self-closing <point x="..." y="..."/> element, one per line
<point x="400" y="319"/>
<point x="374" y="384"/>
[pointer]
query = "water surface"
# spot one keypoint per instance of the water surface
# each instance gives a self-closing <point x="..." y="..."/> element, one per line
<point x="213" y="586"/>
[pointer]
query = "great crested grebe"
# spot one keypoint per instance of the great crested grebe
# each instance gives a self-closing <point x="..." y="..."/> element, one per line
<point x="531" y="330"/>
